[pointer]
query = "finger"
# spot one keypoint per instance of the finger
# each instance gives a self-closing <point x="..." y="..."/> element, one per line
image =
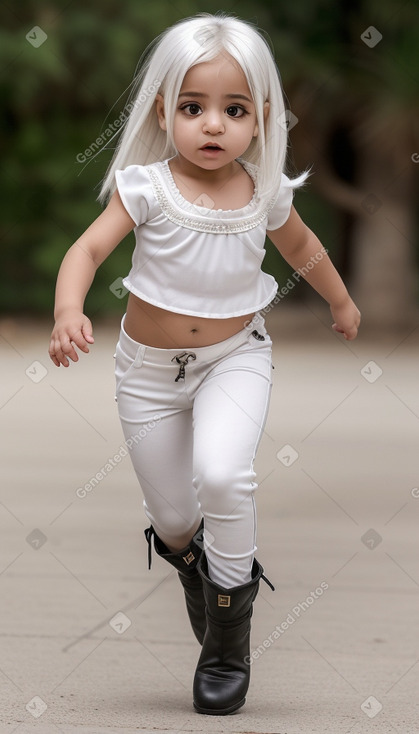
<point x="51" y="352"/>
<point x="79" y="341"/>
<point x="65" y="351"/>
<point x="68" y="350"/>
<point x="54" y="359"/>
<point x="87" y="332"/>
<point x="82" y="345"/>
<point x="351" y="334"/>
<point x="61" y="358"/>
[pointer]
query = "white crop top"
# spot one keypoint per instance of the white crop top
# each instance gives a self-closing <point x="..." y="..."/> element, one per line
<point x="194" y="260"/>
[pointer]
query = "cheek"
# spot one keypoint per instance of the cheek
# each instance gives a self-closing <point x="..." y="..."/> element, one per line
<point x="179" y="131"/>
<point x="183" y="127"/>
<point x="250" y="129"/>
<point x="177" y="128"/>
<point x="179" y="124"/>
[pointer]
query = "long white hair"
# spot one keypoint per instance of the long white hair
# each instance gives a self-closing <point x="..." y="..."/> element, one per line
<point x="162" y="69"/>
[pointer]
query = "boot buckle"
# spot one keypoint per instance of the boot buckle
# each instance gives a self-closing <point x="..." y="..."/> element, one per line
<point x="223" y="600"/>
<point x="189" y="558"/>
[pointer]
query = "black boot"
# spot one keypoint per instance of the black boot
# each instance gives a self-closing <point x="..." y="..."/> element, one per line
<point x="185" y="562"/>
<point x="222" y="675"/>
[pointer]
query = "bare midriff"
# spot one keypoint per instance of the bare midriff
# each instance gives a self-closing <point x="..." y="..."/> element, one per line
<point x="158" y="327"/>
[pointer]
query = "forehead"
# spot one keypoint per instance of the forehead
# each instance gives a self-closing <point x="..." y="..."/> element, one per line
<point x="224" y="71"/>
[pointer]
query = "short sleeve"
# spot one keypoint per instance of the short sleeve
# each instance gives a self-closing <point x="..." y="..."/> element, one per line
<point x="134" y="188"/>
<point x="280" y="211"/>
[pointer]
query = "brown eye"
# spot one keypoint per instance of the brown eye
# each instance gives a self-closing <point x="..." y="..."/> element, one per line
<point x="235" y="111"/>
<point x="193" y="109"/>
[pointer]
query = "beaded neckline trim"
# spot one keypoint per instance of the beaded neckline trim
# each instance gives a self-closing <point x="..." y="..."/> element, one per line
<point x="167" y="175"/>
<point x="203" y="222"/>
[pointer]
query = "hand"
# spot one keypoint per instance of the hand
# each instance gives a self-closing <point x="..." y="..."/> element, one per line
<point x="72" y="327"/>
<point x="347" y="318"/>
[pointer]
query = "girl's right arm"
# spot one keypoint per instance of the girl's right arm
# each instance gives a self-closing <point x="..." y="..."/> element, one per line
<point x="75" y="277"/>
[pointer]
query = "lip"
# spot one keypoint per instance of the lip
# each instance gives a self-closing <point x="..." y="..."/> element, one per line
<point x="211" y="153"/>
<point x="210" y="146"/>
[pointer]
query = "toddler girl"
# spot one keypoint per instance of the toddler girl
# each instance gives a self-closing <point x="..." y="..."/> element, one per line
<point x="198" y="174"/>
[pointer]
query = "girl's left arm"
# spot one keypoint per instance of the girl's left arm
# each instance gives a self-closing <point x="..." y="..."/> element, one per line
<point x="300" y="247"/>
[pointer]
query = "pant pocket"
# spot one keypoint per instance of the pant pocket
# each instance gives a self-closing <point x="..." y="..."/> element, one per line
<point x="126" y="363"/>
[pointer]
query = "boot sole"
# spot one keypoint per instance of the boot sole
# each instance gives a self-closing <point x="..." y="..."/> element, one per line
<point x="219" y="712"/>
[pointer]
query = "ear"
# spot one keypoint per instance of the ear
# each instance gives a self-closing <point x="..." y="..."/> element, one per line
<point x="160" y="111"/>
<point x="266" y="108"/>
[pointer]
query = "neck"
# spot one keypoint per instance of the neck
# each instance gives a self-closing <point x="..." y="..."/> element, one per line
<point x="182" y="166"/>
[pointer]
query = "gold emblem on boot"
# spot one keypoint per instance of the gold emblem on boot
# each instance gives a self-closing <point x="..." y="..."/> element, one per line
<point x="189" y="558"/>
<point x="223" y="601"/>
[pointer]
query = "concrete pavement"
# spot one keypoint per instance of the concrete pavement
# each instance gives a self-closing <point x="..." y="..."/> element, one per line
<point x="93" y="642"/>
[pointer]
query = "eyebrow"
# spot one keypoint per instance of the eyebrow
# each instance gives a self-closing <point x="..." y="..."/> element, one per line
<point x="227" y="96"/>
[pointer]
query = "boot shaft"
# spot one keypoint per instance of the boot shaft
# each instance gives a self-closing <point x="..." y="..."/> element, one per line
<point x="222" y="675"/>
<point x="229" y="605"/>
<point x="184" y="561"/>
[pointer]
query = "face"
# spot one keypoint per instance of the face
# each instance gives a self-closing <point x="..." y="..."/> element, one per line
<point x="215" y="117"/>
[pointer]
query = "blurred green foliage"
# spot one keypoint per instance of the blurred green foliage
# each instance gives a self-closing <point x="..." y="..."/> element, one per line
<point x="57" y="98"/>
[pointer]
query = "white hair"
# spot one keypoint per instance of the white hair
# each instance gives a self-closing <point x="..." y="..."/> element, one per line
<point x="162" y="69"/>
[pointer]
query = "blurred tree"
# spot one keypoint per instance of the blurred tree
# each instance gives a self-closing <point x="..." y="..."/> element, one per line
<point x="59" y="95"/>
<point x="356" y="105"/>
<point x="352" y="73"/>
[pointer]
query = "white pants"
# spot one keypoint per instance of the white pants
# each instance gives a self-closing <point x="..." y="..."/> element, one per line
<point x="193" y="440"/>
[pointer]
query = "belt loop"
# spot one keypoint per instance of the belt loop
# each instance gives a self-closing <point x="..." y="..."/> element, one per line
<point x="139" y="357"/>
<point x="259" y="322"/>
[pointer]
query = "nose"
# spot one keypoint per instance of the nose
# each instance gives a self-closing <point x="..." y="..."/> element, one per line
<point x="213" y="122"/>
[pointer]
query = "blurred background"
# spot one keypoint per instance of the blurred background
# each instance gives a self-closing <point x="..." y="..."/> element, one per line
<point x="350" y="72"/>
<point x="338" y="496"/>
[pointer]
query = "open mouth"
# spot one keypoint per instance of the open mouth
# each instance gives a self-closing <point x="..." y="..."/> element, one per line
<point x="211" y="146"/>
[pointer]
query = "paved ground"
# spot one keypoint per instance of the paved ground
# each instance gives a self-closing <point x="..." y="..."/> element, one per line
<point x="338" y="506"/>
